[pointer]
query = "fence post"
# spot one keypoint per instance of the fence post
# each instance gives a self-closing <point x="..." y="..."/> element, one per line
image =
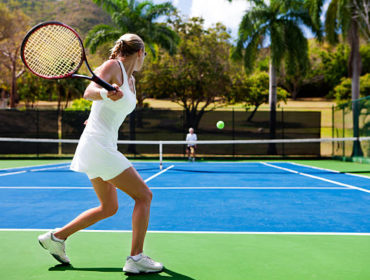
<point x="282" y="128"/>
<point x="233" y="131"/>
<point x="332" y="129"/>
<point x="356" y="149"/>
<point x="37" y="131"/>
<point x="343" y="133"/>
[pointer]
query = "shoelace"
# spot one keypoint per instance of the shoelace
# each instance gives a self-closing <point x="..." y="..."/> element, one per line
<point x="149" y="259"/>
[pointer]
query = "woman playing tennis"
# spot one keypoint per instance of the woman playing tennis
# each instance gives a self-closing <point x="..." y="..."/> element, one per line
<point x="97" y="156"/>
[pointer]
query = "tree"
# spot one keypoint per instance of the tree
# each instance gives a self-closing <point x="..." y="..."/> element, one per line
<point x="343" y="90"/>
<point x="12" y="31"/>
<point x="32" y="88"/>
<point x="134" y="17"/>
<point x="342" y="17"/>
<point x="281" y="22"/>
<point x="253" y="91"/>
<point x="197" y="75"/>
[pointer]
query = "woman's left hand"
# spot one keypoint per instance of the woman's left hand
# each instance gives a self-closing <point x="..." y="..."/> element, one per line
<point x="115" y="95"/>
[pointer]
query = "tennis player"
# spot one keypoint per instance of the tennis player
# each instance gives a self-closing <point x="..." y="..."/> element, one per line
<point x="190" y="149"/>
<point x="97" y="156"/>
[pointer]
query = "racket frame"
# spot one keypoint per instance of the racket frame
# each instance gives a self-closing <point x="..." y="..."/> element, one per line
<point x="71" y="74"/>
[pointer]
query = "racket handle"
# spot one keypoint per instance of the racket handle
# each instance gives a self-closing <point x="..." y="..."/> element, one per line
<point x="103" y="83"/>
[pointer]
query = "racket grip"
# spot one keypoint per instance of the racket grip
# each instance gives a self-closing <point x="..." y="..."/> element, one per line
<point x="103" y="83"/>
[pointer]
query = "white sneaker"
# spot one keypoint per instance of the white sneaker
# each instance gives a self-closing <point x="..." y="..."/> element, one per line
<point x="143" y="265"/>
<point x="55" y="247"/>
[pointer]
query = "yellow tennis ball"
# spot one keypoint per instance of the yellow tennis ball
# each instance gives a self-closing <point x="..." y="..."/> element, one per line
<point x="220" y="124"/>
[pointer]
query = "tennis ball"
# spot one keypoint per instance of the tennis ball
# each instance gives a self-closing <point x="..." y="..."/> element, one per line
<point x="220" y="124"/>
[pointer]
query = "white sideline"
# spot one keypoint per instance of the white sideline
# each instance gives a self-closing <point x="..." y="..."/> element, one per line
<point x="209" y="232"/>
<point x="326" y="169"/>
<point x="13" y="173"/>
<point x="30" y="166"/>
<point x="316" y="177"/>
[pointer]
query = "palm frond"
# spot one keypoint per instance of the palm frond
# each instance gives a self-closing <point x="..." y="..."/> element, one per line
<point x="344" y="16"/>
<point x="250" y="53"/>
<point x="296" y="53"/>
<point x="331" y="22"/>
<point x="301" y="16"/>
<point x="99" y="35"/>
<point x="278" y="44"/>
<point x="314" y="8"/>
<point x="166" y="38"/>
<point x="156" y="11"/>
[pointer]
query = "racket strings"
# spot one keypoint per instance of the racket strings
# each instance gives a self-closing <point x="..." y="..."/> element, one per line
<point x="53" y="51"/>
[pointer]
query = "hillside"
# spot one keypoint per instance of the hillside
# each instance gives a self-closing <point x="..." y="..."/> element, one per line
<point x="81" y="15"/>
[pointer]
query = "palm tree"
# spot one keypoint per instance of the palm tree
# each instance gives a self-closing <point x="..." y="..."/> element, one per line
<point x="280" y="22"/>
<point x="135" y="17"/>
<point x="342" y="17"/>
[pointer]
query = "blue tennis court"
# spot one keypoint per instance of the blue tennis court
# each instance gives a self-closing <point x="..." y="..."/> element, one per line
<point x="260" y="197"/>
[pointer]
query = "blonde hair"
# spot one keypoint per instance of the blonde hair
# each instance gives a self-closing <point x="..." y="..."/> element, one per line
<point x="127" y="45"/>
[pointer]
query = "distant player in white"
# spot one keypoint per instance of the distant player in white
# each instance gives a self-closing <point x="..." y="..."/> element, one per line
<point x="190" y="149"/>
<point x="97" y="156"/>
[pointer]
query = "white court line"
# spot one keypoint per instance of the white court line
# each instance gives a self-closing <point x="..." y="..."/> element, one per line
<point x="13" y="173"/>
<point x="181" y="188"/>
<point x="32" y="170"/>
<point x="209" y="232"/>
<point x="30" y="166"/>
<point x="49" y="168"/>
<point x="326" y="169"/>
<point x="317" y="177"/>
<point x="157" y="174"/>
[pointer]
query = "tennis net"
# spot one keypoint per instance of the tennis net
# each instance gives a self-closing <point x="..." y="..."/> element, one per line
<point x="217" y="149"/>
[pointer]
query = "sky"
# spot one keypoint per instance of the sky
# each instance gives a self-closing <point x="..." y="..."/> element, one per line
<point x="212" y="11"/>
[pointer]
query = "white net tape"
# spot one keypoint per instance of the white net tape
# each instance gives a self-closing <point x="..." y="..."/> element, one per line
<point x="53" y="51"/>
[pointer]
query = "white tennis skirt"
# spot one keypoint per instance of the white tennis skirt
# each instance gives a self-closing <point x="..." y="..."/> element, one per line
<point x="98" y="157"/>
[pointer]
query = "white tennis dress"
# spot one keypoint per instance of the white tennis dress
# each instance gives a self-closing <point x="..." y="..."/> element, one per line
<point x="97" y="154"/>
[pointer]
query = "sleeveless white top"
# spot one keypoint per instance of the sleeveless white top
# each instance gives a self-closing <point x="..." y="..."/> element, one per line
<point x="97" y="154"/>
<point x="107" y="116"/>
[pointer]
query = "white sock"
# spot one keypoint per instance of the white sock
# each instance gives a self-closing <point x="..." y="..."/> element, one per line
<point x="137" y="257"/>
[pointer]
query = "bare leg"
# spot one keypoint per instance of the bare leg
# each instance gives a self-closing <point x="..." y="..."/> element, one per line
<point x="107" y="195"/>
<point x="131" y="183"/>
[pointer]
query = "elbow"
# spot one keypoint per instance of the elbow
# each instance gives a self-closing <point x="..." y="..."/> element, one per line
<point x="87" y="95"/>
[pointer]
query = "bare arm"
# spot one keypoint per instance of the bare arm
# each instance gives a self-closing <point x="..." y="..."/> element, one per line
<point x="106" y="72"/>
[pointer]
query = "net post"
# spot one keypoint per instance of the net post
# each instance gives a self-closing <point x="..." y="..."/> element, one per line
<point x="160" y="155"/>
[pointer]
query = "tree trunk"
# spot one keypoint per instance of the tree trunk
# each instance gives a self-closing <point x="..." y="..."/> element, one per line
<point x="272" y="101"/>
<point x="193" y="118"/>
<point x="252" y="114"/>
<point x="13" y="91"/>
<point x="355" y="68"/>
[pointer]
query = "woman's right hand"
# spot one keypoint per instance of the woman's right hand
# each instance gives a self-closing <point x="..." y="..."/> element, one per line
<point x="115" y="95"/>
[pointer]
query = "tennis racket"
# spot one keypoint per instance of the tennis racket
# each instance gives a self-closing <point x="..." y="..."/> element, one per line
<point x="53" y="50"/>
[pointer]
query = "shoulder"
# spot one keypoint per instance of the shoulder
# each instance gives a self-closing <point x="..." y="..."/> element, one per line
<point x="110" y="65"/>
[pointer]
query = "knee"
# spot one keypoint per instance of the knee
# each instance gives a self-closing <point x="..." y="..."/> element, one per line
<point x="109" y="211"/>
<point x="146" y="197"/>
